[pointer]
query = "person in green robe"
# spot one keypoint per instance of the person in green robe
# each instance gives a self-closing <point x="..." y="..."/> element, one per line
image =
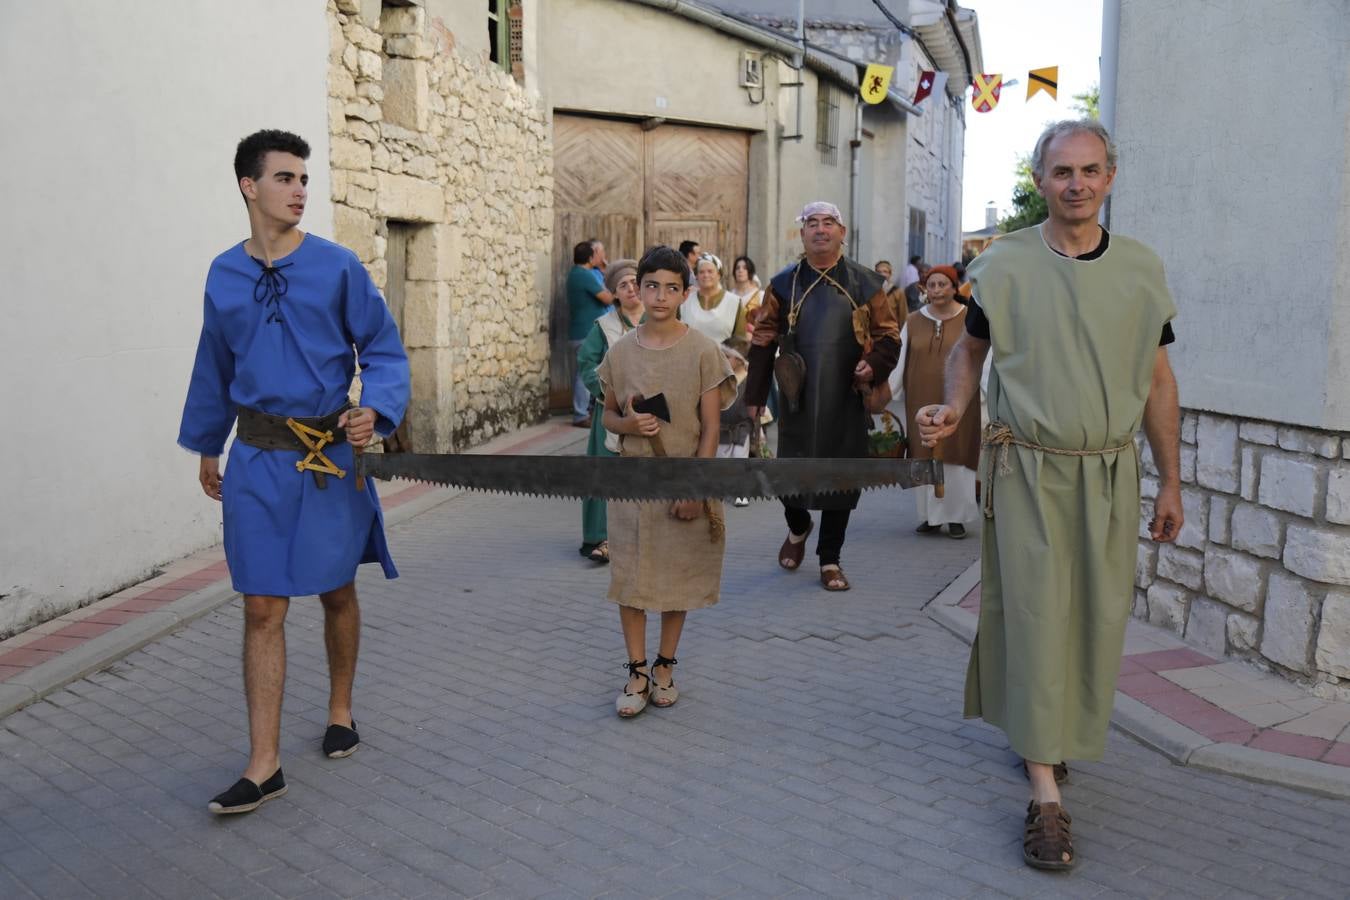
<point x="1077" y="320"/>
<point x="626" y="314"/>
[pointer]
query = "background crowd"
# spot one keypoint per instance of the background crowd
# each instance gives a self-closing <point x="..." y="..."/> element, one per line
<point x="722" y="302"/>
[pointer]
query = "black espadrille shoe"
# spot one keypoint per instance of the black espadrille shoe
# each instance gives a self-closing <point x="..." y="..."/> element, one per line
<point x="245" y="796"/>
<point x="339" y="741"/>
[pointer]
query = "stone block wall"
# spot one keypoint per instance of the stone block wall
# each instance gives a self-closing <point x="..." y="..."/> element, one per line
<point x="457" y="150"/>
<point x="1261" y="568"/>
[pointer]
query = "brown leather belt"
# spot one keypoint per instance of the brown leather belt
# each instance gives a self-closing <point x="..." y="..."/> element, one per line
<point x="302" y="434"/>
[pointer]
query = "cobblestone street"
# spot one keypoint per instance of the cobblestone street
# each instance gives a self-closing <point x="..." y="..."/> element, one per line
<point x="817" y="748"/>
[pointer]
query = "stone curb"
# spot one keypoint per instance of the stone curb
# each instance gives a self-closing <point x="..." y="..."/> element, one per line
<point x="1262" y="765"/>
<point x="100" y="652"/>
<point x="1162" y="733"/>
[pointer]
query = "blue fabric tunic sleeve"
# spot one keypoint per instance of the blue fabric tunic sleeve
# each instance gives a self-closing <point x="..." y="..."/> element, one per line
<point x="208" y="413"/>
<point x="385" y="379"/>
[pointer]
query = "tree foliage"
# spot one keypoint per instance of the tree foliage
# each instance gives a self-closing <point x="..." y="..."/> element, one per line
<point x="1028" y="206"/>
<point x="1087" y="103"/>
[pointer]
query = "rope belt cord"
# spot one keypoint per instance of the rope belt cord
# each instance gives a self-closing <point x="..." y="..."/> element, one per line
<point x="998" y="437"/>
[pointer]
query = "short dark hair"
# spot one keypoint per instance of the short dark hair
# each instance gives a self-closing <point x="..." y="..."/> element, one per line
<point x="663" y="258"/>
<point x="249" y="155"/>
<point x="686" y="247"/>
<point x="749" y="266"/>
<point x="582" y="253"/>
<point x="915" y="259"/>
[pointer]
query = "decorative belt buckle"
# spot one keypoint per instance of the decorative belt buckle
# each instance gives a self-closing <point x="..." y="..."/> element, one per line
<point x="315" y="461"/>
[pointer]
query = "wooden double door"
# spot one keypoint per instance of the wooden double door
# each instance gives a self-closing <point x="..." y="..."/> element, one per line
<point x="632" y="188"/>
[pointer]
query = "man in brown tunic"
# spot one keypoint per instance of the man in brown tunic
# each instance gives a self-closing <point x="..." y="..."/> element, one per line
<point x="835" y="314"/>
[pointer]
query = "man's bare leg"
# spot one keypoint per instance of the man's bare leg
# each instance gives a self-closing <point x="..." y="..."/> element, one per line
<point x="634" y="623"/>
<point x="342" y="640"/>
<point x="264" y="682"/>
<point x="1043" y="787"/>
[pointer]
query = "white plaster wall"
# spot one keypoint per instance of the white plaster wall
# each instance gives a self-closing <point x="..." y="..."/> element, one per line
<point x="1232" y="125"/>
<point x="116" y="169"/>
<point x="803" y="174"/>
<point x="885" y="212"/>
<point x="623" y="58"/>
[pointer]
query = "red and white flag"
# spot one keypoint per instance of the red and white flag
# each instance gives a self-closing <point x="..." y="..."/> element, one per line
<point x="930" y="82"/>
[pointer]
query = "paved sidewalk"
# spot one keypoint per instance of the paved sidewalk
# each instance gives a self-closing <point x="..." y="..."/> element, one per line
<point x="1219" y="714"/>
<point x="816" y="750"/>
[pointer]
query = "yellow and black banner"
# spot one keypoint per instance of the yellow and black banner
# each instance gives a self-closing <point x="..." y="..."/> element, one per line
<point x="1046" y="79"/>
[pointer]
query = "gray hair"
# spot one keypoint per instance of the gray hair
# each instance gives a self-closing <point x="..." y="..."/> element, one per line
<point x="1072" y="126"/>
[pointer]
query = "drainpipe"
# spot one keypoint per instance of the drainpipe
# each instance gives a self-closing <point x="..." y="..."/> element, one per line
<point x="854" y="177"/>
<point x="799" y="61"/>
<point x="1106" y="102"/>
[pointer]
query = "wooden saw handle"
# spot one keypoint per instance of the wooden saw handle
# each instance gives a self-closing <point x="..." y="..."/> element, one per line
<point x="939" y="490"/>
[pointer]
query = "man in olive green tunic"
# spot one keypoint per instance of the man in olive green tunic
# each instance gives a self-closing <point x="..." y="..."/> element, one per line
<point x="1073" y="316"/>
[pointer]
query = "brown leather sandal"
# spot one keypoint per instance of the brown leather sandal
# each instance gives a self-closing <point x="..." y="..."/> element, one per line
<point x="1061" y="772"/>
<point x="833" y="579"/>
<point x="1046" y="841"/>
<point x="790" y="554"/>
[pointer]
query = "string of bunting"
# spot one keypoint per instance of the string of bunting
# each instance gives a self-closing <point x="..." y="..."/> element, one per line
<point x="876" y="84"/>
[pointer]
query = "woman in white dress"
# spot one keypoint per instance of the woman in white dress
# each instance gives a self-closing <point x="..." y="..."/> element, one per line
<point x="712" y="309"/>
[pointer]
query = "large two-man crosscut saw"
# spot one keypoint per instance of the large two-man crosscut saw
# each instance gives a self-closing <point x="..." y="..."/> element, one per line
<point x="650" y="478"/>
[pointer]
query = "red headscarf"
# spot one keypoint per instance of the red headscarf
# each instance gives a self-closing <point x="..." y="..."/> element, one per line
<point x="942" y="270"/>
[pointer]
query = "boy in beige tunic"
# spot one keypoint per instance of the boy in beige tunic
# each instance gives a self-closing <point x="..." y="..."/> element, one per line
<point x="1073" y="317"/>
<point x="664" y="557"/>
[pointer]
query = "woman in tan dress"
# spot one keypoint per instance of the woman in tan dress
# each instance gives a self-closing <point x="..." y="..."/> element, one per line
<point x="927" y="340"/>
<point x="664" y="557"/>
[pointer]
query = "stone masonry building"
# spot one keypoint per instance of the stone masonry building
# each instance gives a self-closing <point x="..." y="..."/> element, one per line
<point x="1252" y="219"/>
<point x="442" y="184"/>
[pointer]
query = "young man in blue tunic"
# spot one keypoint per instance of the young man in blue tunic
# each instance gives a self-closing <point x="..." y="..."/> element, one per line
<point x="287" y="316"/>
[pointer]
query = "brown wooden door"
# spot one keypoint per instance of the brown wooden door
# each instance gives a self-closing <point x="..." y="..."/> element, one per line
<point x="698" y="182"/>
<point x="597" y="190"/>
<point x="631" y="189"/>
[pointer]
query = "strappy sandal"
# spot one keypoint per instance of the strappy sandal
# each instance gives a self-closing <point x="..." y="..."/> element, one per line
<point x="1061" y="771"/>
<point x="791" y="553"/>
<point x="833" y="579"/>
<point x="628" y="705"/>
<point x="1046" y="840"/>
<point x="664" y="696"/>
<point x="600" y="553"/>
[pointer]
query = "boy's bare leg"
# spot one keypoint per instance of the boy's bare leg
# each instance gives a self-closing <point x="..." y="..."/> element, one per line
<point x="264" y="682"/>
<point x="342" y="640"/>
<point x="672" y="624"/>
<point x="634" y="623"/>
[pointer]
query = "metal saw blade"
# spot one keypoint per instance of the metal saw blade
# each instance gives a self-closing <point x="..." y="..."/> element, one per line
<point x="651" y="478"/>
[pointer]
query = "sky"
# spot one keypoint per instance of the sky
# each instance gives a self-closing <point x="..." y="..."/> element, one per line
<point x="1018" y="35"/>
